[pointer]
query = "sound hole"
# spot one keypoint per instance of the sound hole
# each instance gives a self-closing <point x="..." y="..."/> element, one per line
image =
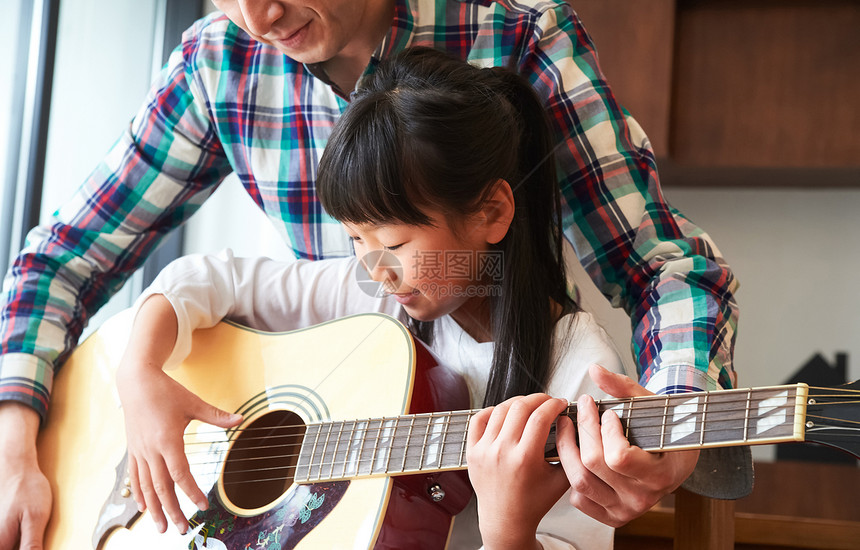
<point x="260" y="465"/>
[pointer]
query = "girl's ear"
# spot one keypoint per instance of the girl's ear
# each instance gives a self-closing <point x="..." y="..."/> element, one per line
<point x="497" y="212"/>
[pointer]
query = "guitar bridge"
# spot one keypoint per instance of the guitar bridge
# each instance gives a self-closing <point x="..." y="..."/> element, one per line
<point x="119" y="510"/>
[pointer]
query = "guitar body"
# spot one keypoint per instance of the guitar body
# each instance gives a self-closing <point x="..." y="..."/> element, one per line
<point x="357" y="367"/>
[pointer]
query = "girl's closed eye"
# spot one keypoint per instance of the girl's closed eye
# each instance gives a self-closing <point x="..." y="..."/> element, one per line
<point x="393" y="248"/>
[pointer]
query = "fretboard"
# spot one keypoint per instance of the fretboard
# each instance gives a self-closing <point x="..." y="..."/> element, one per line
<point x="437" y="441"/>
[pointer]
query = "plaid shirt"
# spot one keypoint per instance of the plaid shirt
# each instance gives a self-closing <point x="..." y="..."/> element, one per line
<point x="227" y="103"/>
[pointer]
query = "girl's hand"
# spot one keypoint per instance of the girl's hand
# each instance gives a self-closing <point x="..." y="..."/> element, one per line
<point x="514" y="483"/>
<point x="612" y="480"/>
<point x="157" y="410"/>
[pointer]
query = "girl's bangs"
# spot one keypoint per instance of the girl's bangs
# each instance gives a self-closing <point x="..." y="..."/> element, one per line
<point x="368" y="174"/>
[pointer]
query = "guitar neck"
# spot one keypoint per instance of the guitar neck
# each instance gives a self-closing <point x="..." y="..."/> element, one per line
<point x="431" y="442"/>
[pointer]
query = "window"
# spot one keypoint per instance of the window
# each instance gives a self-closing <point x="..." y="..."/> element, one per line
<point x="96" y="59"/>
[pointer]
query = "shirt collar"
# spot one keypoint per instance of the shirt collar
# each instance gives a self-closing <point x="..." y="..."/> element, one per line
<point x="398" y="38"/>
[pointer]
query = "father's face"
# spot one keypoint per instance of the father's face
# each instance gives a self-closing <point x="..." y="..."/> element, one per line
<point x="309" y="31"/>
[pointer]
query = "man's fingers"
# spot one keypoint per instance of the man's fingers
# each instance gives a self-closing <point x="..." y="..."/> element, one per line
<point x="619" y="455"/>
<point x="590" y="436"/>
<point x="616" y="385"/>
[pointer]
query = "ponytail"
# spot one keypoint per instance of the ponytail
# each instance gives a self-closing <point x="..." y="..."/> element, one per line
<point x="523" y="316"/>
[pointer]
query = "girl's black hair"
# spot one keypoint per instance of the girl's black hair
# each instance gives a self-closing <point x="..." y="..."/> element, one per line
<point x="430" y="130"/>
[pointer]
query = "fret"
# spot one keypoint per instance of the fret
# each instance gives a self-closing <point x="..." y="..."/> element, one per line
<point x="314" y="455"/>
<point x="445" y="431"/>
<point x="431" y="447"/>
<point x="455" y="428"/>
<point x="415" y="444"/>
<point x="305" y="456"/>
<point x="323" y="455"/>
<point x="462" y="461"/>
<point x="685" y="412"/>
<point x="725" y="418"/>
<point x="385" y="441"/>
<point x="747" y="416"/>
<point x="629" y="418"/>
<point x="398" y="446"/>
<point x="368" y="452"/>
<point x="774" y="414"/>
<point x="376" y="445"/>
<point x="336" y="446"/>
<point x="663" y="427"/>
<point x="704" y="415"/>
<point x="350" y="467"/>
<point x="361" y="435"/>
<point x="461" y="430"/>
<point x="346" y="450"/>
<point x="406" y="444"/>
<point x="424" y="445"/>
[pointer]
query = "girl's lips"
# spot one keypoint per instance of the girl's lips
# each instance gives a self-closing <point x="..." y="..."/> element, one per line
<point x="294" y="40"/>
<point x="405" y="299"/>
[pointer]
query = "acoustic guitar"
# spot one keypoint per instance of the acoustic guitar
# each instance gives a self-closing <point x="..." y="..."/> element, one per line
<point x="353" y="437"/>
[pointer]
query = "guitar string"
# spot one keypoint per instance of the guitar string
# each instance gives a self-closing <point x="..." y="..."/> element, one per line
<point x="347" y="439"/>
<point x="407" y="441"/>
<point x="356" y="472"/>
<point x="659" y="403"/>
<point x="377" y="424"/>
<point x="656" y="403"/>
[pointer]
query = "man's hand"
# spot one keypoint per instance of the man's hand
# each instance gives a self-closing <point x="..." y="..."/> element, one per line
<point x="612" y="480"/>
<point x="25" y="494"/>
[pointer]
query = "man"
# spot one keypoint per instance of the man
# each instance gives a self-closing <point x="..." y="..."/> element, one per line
<point x="256" y="92"/>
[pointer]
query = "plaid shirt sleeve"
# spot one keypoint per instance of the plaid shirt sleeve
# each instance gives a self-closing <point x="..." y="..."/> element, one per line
<point x="640" y="252"/>
<point x="155" y="177"/>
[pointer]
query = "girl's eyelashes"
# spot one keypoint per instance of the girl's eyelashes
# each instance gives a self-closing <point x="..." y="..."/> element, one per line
<point x="357" y="240"/>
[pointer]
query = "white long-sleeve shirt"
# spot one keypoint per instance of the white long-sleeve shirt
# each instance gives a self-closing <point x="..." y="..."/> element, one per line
<point x="279" y="296"/>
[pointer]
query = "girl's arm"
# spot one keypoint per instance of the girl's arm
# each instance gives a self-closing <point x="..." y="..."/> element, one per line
<point x="514" y="483"/>
<point x="157" y="409"/>
<point x="196" y="292"/>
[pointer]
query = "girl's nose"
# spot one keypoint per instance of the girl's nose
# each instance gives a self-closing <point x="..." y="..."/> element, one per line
<point x="387" y="277"/>
<point x="384" y="268"/>
<point x="260" y="15"/>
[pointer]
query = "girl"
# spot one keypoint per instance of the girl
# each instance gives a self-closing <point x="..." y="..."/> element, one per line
<point x="443" y="174"/>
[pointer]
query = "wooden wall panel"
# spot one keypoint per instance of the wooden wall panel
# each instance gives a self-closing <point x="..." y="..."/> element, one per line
<point x="767" y="83"/>
<point x="635" y="43"/>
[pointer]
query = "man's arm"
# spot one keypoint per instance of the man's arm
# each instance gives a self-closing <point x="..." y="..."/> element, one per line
<point x="155" y="177"/>
<point x="158" y="174"/>
<point x="25" y="501"/>
<point x="641" y="253"/>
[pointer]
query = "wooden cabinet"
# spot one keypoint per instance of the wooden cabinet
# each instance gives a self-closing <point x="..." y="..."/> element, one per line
<point x="737" y="83"/>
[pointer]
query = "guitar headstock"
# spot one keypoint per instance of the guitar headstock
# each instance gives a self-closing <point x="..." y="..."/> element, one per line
<point x="833" y="417"/>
